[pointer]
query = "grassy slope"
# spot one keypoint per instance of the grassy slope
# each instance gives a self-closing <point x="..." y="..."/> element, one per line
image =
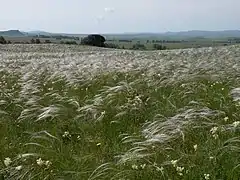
<point x="80" y="110"/>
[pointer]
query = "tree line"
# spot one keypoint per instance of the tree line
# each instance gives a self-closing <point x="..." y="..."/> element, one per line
<point x="90" y="40"/>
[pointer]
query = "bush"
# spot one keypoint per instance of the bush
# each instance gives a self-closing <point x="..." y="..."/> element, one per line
<point x="111" y="45"/>
<point x="94" y="40"/>
<point x="38" y="41"/>
<point x="159" y="47"/>
<point x="68" y="42"/>
<point x="2" y="40"/>
<point x="71" y="42"/>
<point x="139" y="46"/>
<point x="32" y="41"/>
<point x="48" y="41"/>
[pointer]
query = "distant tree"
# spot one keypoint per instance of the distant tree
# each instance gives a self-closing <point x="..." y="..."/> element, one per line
<point x="32" y="41"/>
<point x="2" y="40"/>
<point x="9" y="42"/>
<point x="139" y="46"/>
<point x="123" y="47"/>
<point x="94" y="40"/>
<point x="159" y="47"/>
<point x="47" y="41"/>
<point x="38" y="41"/>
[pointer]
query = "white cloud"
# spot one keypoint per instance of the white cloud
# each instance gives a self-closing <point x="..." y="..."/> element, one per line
<point x="109" y="9"/>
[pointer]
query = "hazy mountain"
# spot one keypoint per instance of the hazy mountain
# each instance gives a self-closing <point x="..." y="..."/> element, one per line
<point x="39" y="33"/>
<point x="12" y="33"/>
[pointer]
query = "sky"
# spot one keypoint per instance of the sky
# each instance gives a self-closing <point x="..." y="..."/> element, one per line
<point x="119" y="16"/>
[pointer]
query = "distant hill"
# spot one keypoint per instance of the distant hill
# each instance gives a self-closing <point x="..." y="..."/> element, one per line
<point x="166" y="35"/>
<point x="39" y="33"/>
<point x="12" y="33"/>
<point x="177" y="35"/>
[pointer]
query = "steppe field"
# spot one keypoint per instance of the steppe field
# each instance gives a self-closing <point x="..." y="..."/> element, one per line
<point x="85" y="113"/>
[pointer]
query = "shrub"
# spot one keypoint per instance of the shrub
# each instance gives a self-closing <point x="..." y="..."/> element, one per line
<point x="38" y="41"/>
<point x="94" y="40"/>
<point x="47" y="41"/>
<point x="2" y="40"/>
<point x="68" y="42"/>
<point x="159" y="47"/>
<point x="139" y="46"/>
<point x="111" y="45"/>
<point x="32" y="41"/>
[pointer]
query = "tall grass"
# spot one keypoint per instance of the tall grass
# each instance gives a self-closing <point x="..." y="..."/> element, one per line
<point x="99" y="114"/>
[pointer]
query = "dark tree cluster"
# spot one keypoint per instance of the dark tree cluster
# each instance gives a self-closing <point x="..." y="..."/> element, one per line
<point x="159" y="47"/>
<point x="139" y="46"/>
<point x="2" y="40"/>
<point x="60" y="37"/>
<point x="94" y="40"/>
<point x="35" y="41"/>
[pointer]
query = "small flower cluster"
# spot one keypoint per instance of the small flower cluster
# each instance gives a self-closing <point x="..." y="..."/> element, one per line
<point x="179" y="169"/>
<point x="66" y="135"/>
<point x="7" y="162"/>
<point x="41" y="162"/>
<point x="236" y="124"/>
<point x="214" y="132"/>
<point x="206" y="176"/>
<point x="136" y="167"/>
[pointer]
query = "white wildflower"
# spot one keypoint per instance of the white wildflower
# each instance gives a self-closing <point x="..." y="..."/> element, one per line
<point x="226" y="119"/>
<point x="40" y="162"/>
<point x="66" y="134"/>
<point x="195" y="147"/>
<point x="18" y="168"/>
<point x="180" y="170"/>
<point x="206" y="176"/>
<point x="78" y="138"/>
<point x="211" y="157"/>
<point x="48" y="163"/>
<point x="214" y="132"/>
<point x="143" y="166"/>
<point x="236" y="124"/>
<point x="174" y="162"/>
<point x="7" y="161"/>
<point x="134" y="166"/>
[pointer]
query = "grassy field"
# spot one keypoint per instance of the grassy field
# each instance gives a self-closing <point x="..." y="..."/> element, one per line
<point x="73" y="112"/>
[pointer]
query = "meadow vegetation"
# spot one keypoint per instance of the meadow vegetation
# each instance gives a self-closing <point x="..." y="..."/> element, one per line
<point x="73" y="112"/>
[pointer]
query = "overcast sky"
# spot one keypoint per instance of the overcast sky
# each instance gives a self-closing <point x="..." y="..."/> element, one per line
<point x="118" y="16"/>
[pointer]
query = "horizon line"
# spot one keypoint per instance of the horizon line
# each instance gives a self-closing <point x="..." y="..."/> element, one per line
<point x="140" y="32"/>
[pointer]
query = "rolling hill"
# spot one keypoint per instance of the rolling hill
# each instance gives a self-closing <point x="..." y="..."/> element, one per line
<point x="12" y="33"/>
